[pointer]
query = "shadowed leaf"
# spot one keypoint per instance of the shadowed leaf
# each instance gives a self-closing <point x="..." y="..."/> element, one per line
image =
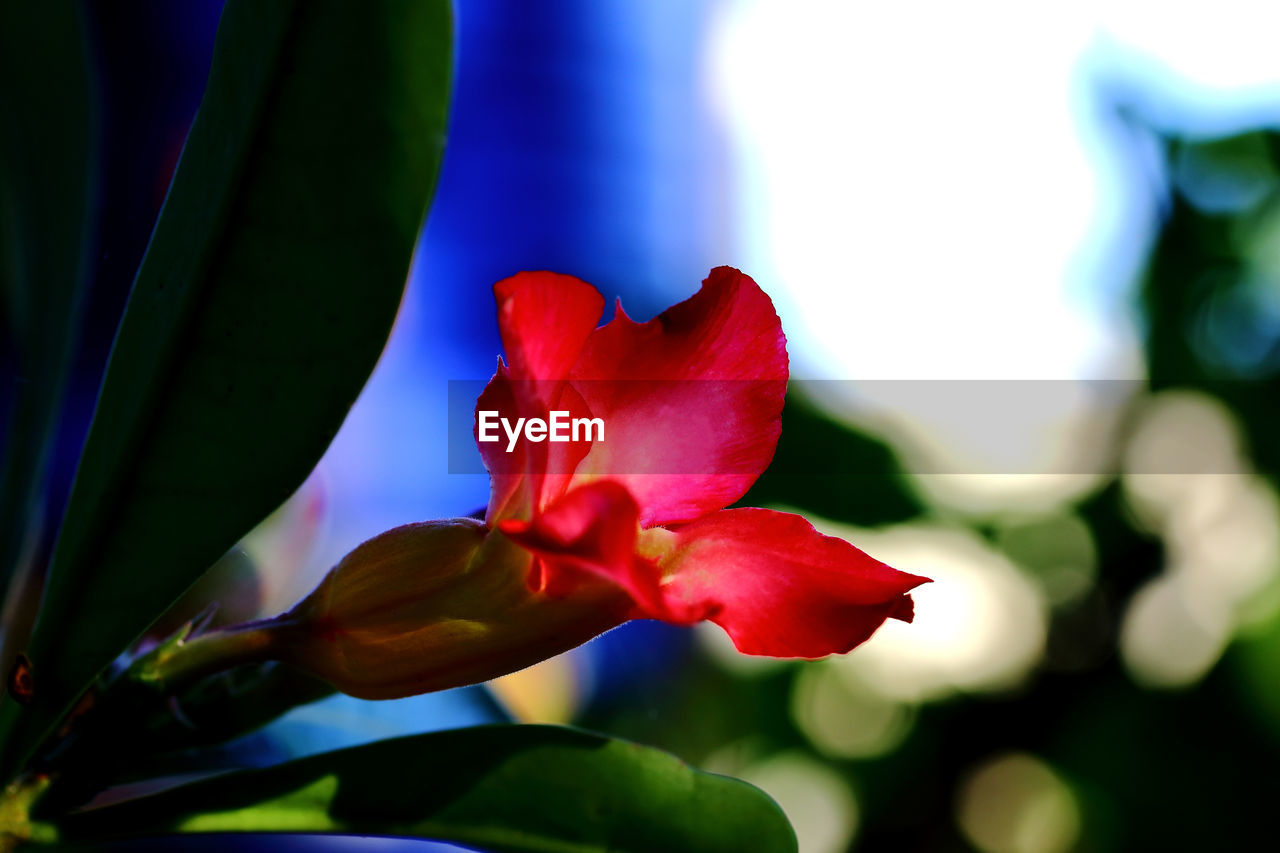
<point x="46" y="210"/>
<point x="261" y="306"/>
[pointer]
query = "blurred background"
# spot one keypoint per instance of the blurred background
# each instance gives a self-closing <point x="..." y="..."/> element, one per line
<point x="1028" y="261"/>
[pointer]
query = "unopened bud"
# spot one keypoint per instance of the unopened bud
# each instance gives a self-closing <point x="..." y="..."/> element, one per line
<point x="432" y="606"/>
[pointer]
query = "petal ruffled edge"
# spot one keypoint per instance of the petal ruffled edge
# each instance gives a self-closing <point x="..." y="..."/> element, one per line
<point x="776" y="585"/>
<point x="692" y="400"/>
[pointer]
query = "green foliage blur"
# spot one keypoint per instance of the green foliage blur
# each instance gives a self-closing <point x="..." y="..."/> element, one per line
<point x="1132" y="729"/>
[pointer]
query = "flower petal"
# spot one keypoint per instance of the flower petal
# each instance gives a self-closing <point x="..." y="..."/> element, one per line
<point x="510" y="490"/>
<point x="592" y="530"/>
<point x="776" y="585"/>
<point x="526" y="477"/>
<point x="545" y="318"/>
<point x="691" y="400"/>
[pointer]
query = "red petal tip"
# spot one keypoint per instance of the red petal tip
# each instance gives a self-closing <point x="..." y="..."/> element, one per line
<point x="620" y="313"/>
<point x="904" y="610"/>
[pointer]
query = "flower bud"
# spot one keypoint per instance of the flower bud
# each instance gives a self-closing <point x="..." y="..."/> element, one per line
<point x="432" y="606"/>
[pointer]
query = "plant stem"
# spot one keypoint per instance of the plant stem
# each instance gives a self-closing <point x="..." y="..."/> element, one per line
<point x="176" y="665"/>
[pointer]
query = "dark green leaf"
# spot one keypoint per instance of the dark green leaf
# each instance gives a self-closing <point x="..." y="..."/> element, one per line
<point x="262" y="304"/>
<point x="502" y="788"/>
<point x="134" y="734"/>
<point x="827" y="468"/>
<point x="46" y="187"/>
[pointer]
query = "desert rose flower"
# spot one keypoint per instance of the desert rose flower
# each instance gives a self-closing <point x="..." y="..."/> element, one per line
<point x="580" y="536"/>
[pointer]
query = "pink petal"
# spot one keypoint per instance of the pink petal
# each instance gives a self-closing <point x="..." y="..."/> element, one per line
<point x="776" y="585"/>
<point x="691" y="400"/>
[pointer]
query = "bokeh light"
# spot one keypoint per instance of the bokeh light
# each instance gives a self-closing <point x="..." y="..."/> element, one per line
<point x="979" y="626"/>
<point x="1058" y="549"/>
<point x="1017" y="804"/>
<point x="846" y="718"/>
<point x="817" y="800"/>
<point x="1187" y="477"/>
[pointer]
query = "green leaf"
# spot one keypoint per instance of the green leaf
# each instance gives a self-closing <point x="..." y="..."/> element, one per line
<point x="46" y="201"/>
<point x="502" y="788"/>
<point x="833" y="470"/>
<point x="263" y="302"/>
<point x="134" y="734"/>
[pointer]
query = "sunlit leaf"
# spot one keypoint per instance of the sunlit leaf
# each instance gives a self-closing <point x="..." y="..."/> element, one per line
<point x="502" y="788"/>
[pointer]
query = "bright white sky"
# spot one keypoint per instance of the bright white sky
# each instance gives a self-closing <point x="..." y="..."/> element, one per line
<point x="935" y="190"/>
<point x="932" y="190"/>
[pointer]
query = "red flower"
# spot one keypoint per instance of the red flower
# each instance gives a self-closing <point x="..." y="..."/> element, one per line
<point x="581" y="536"/>
<point x="691" y="402"/>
